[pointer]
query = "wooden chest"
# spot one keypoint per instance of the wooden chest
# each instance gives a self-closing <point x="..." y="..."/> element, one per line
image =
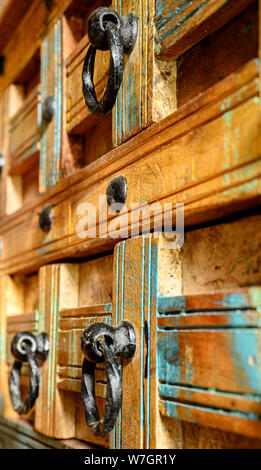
<point x="177" y="258"/>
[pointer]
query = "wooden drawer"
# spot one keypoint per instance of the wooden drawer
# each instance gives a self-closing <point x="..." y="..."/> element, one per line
<point x="19" y="311"/>
<point x="25" y="133"/>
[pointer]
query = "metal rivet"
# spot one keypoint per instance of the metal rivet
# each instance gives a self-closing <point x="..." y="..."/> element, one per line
<point x="46" y="219"/>
<point x="48" y="108"/>
<point x="116" y="192"/>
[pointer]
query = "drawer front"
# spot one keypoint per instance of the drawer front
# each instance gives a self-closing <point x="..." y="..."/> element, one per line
<point x="209" y="367"/>
<point x="25" y="133"/>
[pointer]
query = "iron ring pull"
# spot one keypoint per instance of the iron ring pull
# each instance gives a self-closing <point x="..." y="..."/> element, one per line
<point x="25" y="347"/>
<point x="118" y="341"/>
<point x="107" y="31"/>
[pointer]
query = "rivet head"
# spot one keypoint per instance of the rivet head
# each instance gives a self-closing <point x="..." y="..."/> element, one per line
<point x="2" y="162"/>
<point x="48" y="108"/>
<point x="116" y="192"/>
<point x="46" y="219"/>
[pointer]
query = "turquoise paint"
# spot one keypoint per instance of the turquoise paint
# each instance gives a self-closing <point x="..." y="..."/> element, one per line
<point x="172" y="411"/>
<point x="243" y="345"/>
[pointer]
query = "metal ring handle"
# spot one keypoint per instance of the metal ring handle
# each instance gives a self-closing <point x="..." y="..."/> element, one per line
<point x="107" y="31"/>
<point x="14" y="383"/>
<point x="101" y="426"/>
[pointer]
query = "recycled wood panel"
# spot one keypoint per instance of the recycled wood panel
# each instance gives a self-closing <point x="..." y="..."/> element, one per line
<point x="148" y="90"/>
<point x="205" y="155"/>
<point x="79" y="120"/>
<point x="25" y="134"/>
<point x="180" y="25"/>
<point x="208" y="366"/>
<point x="66" y="309"/>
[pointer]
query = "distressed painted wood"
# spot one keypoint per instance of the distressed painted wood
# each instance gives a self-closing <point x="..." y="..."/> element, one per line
<point x="11" y="13"/>
<point x="134" y="299"/>
<point x="181" y="24"/>
<point x="25" y="134"/>
<point x="218" y="55"/>
<point x="27" y="38"/>
<point x="148" y="91"/>
<point x="204" y="151"/>
<point x="51" y="85"/>
<point x="208" y="362"/>
<point x="79" y="120"/>
<point x="73" y="297"/>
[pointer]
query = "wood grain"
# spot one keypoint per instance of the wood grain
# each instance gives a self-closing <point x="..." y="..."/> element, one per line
<point x="67" y="307"/>
<point x="180" y="25"/>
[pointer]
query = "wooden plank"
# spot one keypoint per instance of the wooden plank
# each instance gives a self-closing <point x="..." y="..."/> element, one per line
<point x="51" y="85"/>
<point x="25" y="134"/>
<point x="148" y="91"/>
<point x="59" y="411"/>
<point x="79" y="120"/>
<point x="11" y="12"/>
<point x="180" y="25"/>
<point x="228" y="421"/>
<point x="184" y="149"/>
<point x="27" y="38"/>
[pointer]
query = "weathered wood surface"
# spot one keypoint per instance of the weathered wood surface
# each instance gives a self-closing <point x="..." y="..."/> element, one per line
<point x="51" y="85"/>
<point x="148" y="90"/>
<point x="20" y="434"/>
<point x="181" y="24"/>
<point x="79" y="120"/>
<point x="205" y="155"/>
<point x="25" y="134"/>
<point x="73" y="297"/>
<point x="27" y="38"/>
<point x="218" y="55"/>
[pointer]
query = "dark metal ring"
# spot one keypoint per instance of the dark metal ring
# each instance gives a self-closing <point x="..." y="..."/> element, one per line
<point x="14" y="382"/>
<point x="101" y="426"/>
<point x="107" y="31"/>
<point x="115" y="74"/>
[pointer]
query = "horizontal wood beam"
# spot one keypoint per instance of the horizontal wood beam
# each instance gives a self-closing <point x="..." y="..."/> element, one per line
<point x="182" y="24"/>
